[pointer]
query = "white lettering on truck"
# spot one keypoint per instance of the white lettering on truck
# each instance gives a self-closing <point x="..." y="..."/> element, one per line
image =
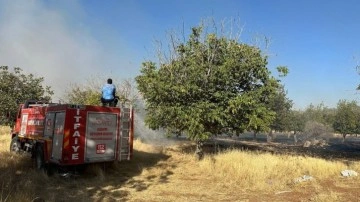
<point x="76" y="136"/>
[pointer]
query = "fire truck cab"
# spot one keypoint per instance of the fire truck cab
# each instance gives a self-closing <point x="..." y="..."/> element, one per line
<point x="68" y="134"/>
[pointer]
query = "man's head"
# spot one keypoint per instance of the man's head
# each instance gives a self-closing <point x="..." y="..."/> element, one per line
<point x="109" y="81"/>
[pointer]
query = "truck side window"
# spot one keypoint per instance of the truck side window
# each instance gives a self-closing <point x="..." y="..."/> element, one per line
<point x="49" y="124"/>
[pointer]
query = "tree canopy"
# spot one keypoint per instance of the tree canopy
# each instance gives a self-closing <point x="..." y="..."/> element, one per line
<point x="281" y="105"/>
<point x="16" y="87"/>
<point x="347" y="118"/>
<point x="210" y="84"/>
<point x="298" y="121"/>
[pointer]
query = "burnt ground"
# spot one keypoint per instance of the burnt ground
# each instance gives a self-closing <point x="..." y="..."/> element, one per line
<point x="334" y="149"/>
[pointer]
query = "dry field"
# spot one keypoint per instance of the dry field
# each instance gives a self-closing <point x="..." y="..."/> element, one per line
<point x="171" y="173"/>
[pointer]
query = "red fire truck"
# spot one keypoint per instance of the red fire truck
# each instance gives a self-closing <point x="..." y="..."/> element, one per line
<point x="67" y="134"/>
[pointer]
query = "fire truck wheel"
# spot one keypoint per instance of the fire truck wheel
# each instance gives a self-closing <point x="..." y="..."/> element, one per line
<point x="15" y="145"/>
<point x="39" y="157"/>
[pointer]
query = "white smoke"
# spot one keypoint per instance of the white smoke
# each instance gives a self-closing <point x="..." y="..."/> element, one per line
<point x="154" y="137"/>
<point x="52" y="42"/>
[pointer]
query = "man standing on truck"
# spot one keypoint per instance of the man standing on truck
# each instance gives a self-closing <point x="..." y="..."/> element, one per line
<point x="108" y="94"/>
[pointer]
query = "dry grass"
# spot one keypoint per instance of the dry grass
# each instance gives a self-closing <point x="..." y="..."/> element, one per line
<point x="256" y="171"/>
<point x="172" y="174"/>
<point x="4" y="138"/>
<point x="16" y="180"/>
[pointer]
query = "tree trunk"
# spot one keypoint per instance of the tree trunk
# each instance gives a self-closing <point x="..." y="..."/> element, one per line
<point x="343" y="140"/>
<point x="199" y="153"/>
<point x="295" y="138"/>
<point x="269" y="137"/>
<point x="255" y="136"/>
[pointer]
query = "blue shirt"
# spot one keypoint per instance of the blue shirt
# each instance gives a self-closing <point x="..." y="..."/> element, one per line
<point x="108" y="91"/>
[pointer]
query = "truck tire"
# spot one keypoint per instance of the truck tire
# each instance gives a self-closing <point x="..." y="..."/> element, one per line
<point x="40" y="164"/>
<point x="39" y="157"/>
<point x="15" y="145"/>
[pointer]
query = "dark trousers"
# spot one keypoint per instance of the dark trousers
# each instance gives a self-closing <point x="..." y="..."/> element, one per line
<point x="109" y="102"/>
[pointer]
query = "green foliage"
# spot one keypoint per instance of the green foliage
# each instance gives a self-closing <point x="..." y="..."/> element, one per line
<point x="347" y="118"/>
<point x="209" y="85"/>
<point x="89" y="93"/>
<point x="79" y="95"/>
<point x="281" y="105"/>
<point x="320" y="114"/>
<point x="283" y="71"/>
<point x="17" y="87"/>
<point x="298" y="121"/>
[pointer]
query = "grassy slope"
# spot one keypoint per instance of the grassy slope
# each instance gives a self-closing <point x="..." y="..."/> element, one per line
<point x="170" y="173"/>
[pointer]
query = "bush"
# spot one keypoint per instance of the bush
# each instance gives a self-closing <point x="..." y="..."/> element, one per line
<point x="315" y="130"/>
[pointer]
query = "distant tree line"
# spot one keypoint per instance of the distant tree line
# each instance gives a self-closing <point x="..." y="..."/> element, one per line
<point x="344" y="119"/>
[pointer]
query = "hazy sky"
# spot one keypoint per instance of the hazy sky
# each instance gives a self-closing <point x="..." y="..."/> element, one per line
<point x="68" y="41"/>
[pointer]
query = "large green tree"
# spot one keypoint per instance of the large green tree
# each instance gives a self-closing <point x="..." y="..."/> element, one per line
<point x="281" y="105"/>
<point x="297" y="123"/>
<point x="347" y="118"/>
<point x="16" y="87"/>
<point x="209" y="84"/>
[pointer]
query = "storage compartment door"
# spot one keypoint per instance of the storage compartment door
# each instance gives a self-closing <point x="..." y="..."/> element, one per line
<point x="54" y="127"/>
<point x="101" y="133"/>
